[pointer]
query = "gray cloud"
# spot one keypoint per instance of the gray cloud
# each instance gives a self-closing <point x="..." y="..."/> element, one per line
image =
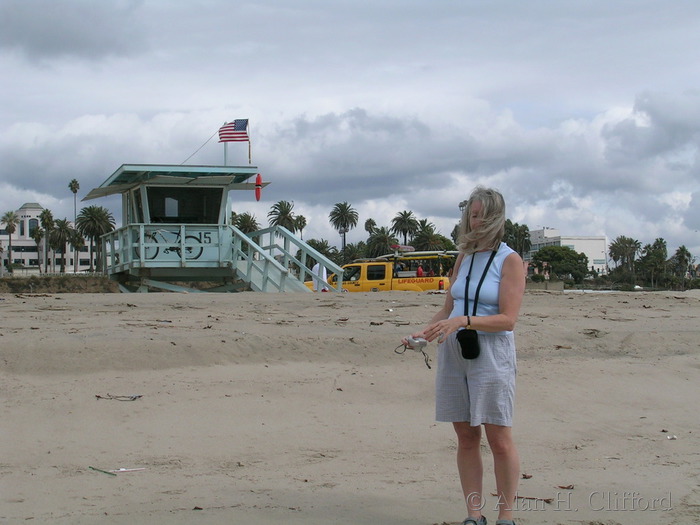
<point x="662" y="125"/>
<point x="691" y="217"/>
<point x="46" y="29"/>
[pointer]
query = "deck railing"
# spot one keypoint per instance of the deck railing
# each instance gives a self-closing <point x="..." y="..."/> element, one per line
<point x="272" y="259"/>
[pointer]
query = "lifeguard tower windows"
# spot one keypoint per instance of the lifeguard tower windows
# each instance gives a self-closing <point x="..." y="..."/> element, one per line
<point x="184" y="205"/>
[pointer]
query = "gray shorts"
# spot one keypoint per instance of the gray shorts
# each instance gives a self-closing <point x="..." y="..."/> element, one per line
<point x="480" y="390"/>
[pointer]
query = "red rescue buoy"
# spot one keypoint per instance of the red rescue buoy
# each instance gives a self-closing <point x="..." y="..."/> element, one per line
<point x="258" y="187"/>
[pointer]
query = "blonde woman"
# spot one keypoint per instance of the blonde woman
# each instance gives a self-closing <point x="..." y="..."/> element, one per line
<point x="475" y="392"/>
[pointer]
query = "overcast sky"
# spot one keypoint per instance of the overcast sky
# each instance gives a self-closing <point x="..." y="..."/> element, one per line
<point x="586" y="115"/>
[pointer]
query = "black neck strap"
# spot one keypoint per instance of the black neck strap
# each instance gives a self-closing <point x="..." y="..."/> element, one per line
<point x="478" y="288"/>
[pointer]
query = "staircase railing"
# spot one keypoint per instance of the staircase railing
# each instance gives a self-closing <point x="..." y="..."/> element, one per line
<point x="295" y="255"/>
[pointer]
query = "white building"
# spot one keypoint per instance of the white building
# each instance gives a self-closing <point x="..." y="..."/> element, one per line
<point x="595" y="248"/>
<point x="25" y="251"/>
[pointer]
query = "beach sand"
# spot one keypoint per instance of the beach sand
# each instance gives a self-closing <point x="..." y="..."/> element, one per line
<point x="294" y="409"/>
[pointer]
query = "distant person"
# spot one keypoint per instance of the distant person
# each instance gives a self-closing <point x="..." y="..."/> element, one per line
<point x="419" y="271"/>
<point x="475" y="389"/>
<point x="320" y="283"/>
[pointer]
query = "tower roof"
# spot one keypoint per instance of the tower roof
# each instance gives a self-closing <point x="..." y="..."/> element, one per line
<point x="129" y="176"/>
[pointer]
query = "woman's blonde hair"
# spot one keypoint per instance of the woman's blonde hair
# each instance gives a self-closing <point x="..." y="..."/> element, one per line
<point x="493" y="221"/>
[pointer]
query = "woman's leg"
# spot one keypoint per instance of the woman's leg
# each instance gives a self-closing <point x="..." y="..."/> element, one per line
<point x="506" y="466"/>
<point x="469" y="465"/>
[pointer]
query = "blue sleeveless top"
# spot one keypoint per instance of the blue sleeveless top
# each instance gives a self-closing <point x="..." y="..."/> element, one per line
<point x="488" y="295"/>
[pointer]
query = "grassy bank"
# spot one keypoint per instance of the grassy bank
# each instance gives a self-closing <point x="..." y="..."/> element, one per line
<point x="58" y="284"/>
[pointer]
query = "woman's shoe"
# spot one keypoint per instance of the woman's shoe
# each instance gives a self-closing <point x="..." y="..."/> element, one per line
<point x="505" y="522"/>
<point x="481" y="520"/>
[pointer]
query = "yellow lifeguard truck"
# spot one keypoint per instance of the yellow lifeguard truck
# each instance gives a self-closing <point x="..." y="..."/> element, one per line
<point x="397" y="271"/>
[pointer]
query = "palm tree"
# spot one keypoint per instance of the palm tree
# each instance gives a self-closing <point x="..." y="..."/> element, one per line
<point x="93" y="222"/>
<point x="58" y="238"/>
<point x="653" y="260"/>
<point x="681" y="262"/>
<point x="77" y="242"/>
<point x="281" y="214"/>
<point x="343" y="218"/>
<point x="323" y="247"/>
<point x="405" y="223"/>
<point x="517" y="237"/>
<point x="522" y="239"/>
<point x="10" y="220"/>
<point x="625" y="249"/>
<point x="426" y="238"/>
<point x="455" y="233"/>
<point x="46" y="220"/>
<point x="354" y="251"/>
<point x="38" y="235"/>
<point x="381" y="242"/>
<point x="299" y="225"/>
<point x="370" y="226"/>
<point x="74" y="186"/>
<point x="246" y="222"/>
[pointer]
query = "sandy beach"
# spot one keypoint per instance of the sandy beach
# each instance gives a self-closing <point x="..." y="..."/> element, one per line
<point x="294" y="409"/>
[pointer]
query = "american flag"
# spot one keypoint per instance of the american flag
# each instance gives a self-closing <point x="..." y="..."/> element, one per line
<point x="236" y="131"/>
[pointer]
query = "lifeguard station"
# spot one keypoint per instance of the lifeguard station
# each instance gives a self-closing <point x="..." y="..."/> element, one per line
<point x="176" y="232"/>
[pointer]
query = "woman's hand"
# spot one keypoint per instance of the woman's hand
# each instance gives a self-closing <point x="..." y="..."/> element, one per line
<point x="416" y="335"/>
<point x="441" y="329"/>
<point x="439" y="319"/>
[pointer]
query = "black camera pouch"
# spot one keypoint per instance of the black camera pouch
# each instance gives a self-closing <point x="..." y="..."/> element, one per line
<point x="469" y="342"/>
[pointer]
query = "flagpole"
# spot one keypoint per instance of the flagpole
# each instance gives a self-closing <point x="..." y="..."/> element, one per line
<point x="225" y="148"/>
<point x="248" y="133"/>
